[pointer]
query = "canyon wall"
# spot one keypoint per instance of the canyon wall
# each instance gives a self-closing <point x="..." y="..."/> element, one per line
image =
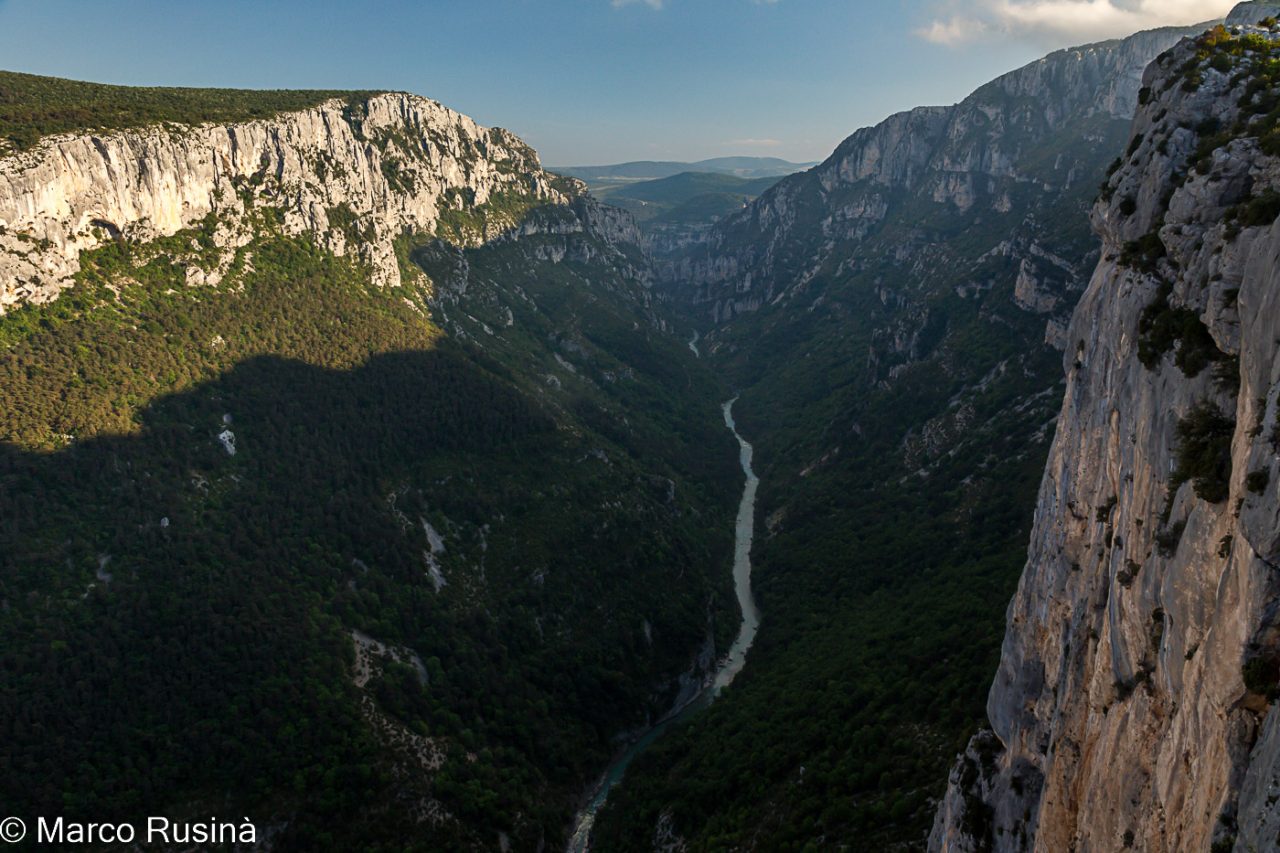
<point x="1131" y="706"/>
<point x="356" y="174"/>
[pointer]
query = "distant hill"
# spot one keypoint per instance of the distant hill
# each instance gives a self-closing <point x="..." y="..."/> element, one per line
<point x="687" y="185"/>
<point x="686" y="198"/>
<point x="647" y="170"/>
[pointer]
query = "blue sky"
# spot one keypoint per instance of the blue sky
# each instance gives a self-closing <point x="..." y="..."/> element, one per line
<point x="589" y="81"/>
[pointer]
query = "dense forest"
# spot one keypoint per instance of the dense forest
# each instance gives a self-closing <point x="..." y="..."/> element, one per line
<point x="882" y="574"/>
<point x="32" y="106"/>
<point x="901" y="402"/>
<point x="377" y="568"/>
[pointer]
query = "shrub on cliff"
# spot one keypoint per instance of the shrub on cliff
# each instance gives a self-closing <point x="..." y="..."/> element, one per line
<point x="1203" y="452"/>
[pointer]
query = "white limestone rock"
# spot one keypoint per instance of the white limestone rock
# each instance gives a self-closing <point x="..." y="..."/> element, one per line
<point x="1119" y="712"/>
<point x="72" y="192"/>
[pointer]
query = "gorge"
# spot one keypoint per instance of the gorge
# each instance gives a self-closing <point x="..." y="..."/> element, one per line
<point x="726" y="669"/>
<point x="362" y="477"/>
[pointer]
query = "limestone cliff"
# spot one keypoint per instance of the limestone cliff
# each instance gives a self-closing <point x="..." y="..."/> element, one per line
<point x="355" y="174"/>
<point x="1022" y="154"/>
<point x="1132" y="706"/>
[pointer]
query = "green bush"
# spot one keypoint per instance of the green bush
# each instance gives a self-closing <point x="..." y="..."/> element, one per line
<point x="1156" y="631"/>
<point x="1203" y="452"/>
<point x="1162" y="326"/>
<point x="1167" y="540"/>
<point x="1144" y="253"/>
<point x="1260" y="210"/>
<point x="1262" y="676"/>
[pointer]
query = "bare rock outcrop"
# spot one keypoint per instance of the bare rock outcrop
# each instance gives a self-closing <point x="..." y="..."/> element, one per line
<point x="377" y="168"/>
<point x="1030" y="144"/>
<point x="1133" y="703"/>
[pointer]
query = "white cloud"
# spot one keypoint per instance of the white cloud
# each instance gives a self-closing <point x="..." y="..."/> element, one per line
<point x="1056" y="20"/>
<point x="953" y="30"/>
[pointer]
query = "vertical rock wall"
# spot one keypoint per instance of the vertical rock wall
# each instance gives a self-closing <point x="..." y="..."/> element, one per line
<point x="382" y="167"/>
<point x="1131" y="708"/>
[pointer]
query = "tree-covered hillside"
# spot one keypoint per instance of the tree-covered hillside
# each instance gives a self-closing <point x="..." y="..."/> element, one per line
<point x="686" y="185"/>
<point x="32" y="106"/>
<point x="378" y="568"/>
<point x="689" y="198"/>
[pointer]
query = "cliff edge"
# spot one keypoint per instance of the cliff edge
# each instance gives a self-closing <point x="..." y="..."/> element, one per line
<point x="355" y="173"/>
<point x="1132" y="706"/>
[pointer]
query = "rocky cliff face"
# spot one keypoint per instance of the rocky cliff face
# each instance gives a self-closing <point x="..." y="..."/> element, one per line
<point x="356" y="175"/>
<point x="1132" y="707"/>
<point x="1029" y="146"/>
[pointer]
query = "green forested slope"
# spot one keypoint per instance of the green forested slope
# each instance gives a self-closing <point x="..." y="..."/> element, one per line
<point x="176" y="621"/>
<point x="686" y="199"/>
<point x="901" y="398"/>
<point x="32" y="106"/>
<point x="686" y="185"/>
<point x="882" y="574"/>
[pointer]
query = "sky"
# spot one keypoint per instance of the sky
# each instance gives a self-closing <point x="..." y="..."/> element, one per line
<point x="589" y="81"/>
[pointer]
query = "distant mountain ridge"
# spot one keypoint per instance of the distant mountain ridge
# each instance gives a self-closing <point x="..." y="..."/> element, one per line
<point x="677" y="211"/>
<point x="647" y="170"/>
<point x="674" y="212"/>
<point x="686" y="185"/>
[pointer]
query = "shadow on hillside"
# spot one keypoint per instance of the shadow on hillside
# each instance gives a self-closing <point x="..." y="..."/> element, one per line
<point x="173" y="617"/>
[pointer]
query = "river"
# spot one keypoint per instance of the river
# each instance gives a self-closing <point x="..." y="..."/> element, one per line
<point x="728" y="666"/>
